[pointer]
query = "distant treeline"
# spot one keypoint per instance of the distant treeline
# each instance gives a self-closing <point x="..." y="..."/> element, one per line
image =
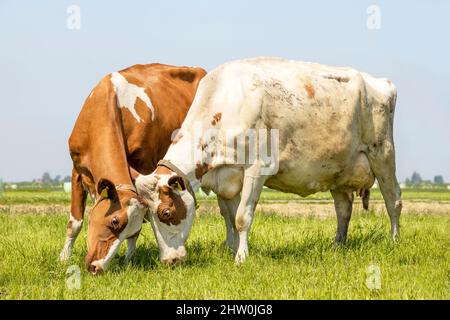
<point x="49" y="183"/>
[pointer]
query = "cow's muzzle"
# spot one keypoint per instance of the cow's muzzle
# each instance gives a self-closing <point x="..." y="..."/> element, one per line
<point x="95" y="269"/>
<point x="174" y="257"/>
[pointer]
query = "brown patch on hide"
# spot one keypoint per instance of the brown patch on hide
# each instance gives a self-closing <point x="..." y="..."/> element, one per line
<point x="216" y="118"/>
<point x="201" y="169"/>
<point x="338" y="78"/>
<point x="171" y="210"/>
<point x="310" y="90"/>
<point x="201" y="145"/>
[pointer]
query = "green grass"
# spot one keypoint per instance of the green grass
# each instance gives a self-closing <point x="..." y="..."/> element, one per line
<point x="35" y="197"/>
<point x="290" y="258"/>
<point x="60" y="197"/>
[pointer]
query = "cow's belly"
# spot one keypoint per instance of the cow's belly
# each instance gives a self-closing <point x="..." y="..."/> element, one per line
<point x="308" y="178"/>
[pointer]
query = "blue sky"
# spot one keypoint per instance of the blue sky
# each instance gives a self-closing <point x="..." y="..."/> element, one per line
<point x="47" y="70"/>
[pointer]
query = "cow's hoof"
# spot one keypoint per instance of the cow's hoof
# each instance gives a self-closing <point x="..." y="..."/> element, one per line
<point x="228" y="245"/>
<point x="395" y="238"/>
<point x="240" y="257"/>
<point x="128" y="257"/>
<point x="339" y="243"/>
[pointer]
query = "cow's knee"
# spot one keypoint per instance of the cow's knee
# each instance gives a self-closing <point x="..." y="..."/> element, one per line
<point x="74" y="227"/>
<point x="398" y="206"/>
<point x="244" y="219"/>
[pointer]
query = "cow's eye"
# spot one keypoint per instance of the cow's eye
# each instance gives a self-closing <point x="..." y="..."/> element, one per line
<point x="115" y="223"/>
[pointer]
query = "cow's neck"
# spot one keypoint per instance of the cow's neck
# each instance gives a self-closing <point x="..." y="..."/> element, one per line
<point x="118" y="175"/>
<point x="108" y="157"/>
<point x="181" y="155"/>
<point x="114" y="171"/>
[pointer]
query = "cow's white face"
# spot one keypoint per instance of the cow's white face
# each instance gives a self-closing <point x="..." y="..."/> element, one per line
<point x="171" y="212"/>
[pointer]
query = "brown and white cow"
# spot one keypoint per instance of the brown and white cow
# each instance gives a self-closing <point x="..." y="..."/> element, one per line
<point x="124" y="127"/>
<point x="314" y="127"/>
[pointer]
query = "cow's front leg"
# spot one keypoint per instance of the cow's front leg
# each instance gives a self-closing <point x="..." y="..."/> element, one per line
<point x="131" y="247"/>
<point x="76" y="217"/>
<point x="251" y="190"/>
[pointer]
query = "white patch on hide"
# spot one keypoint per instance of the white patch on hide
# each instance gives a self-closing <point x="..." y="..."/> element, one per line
<point x="127" y="93"/>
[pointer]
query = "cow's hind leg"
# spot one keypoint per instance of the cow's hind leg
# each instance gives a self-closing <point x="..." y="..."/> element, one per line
<point x="343" y="203"/>
<point x="228" y="210"/>
<point x="382" y="162"/>
<point x="251" y="190"/>
<point x="76" y="217"/>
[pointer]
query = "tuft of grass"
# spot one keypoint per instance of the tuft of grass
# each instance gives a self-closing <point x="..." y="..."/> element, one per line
<point x="290" y="258"/>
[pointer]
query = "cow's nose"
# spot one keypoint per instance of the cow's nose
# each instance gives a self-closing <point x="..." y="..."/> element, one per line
<point x="95" y="269"/>
<point x="172" y="261"/>
<point x="175" y="259"/>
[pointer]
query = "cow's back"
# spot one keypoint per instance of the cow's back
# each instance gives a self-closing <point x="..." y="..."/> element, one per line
<point x="171" y="90"/>
<point x="327" y="117"/>
<point x="129" y="117"/>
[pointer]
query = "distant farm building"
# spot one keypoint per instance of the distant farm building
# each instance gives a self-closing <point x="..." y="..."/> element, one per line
<point x="67" y="187"/>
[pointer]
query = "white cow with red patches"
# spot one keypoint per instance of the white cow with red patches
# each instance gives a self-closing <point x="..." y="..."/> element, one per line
<point x="325" y="128"/>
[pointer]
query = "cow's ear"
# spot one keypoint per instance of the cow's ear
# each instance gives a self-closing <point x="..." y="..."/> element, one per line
<point x="176" y="183"/>
<point x="106" y="189"/>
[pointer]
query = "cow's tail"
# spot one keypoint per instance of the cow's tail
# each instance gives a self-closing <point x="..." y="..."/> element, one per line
<point x="365" y="195"/>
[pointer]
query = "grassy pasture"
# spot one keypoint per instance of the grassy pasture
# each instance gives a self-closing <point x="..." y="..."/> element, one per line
<point x="60" y="197"/>
<point x="290" y="258"/>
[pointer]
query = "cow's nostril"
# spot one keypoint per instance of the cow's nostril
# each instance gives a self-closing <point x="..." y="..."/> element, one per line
<point x="172" y="261"/>
<point x="95" y="270"/>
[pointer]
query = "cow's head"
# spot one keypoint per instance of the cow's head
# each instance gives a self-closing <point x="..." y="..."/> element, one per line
<point x="117" y="215"/>
<point x="171" y="211"/>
